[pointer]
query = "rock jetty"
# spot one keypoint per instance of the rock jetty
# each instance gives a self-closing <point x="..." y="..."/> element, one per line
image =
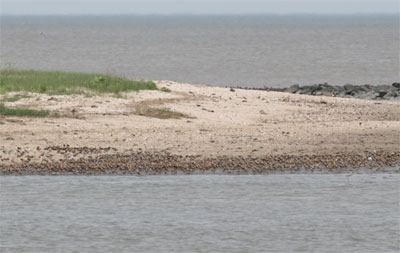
<point x="379" y="92"/>
<point x="366" y="91"/>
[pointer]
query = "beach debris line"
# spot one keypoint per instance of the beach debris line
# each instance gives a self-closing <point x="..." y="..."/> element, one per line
<point x="105" y="161"/>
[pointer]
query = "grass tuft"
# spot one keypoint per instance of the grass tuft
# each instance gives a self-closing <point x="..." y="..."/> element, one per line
<point x="58" y="83"/>
<point x="14" y="98"/>
<point x="22" y="112"/>
<point x="160" y="113"/>
<point x="165" y="89"/>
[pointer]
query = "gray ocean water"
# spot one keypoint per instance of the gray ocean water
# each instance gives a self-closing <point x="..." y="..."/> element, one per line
<point x="252" y="51"/>
<point x="276" y="213"/>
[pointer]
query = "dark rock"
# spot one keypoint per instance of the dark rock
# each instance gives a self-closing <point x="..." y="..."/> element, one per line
<point x="293" y="88"/>
<point x="308" y="90"/>
<point x="368" y="95"/>
<point x="382" y="94"/>
<point x="392" y="93"/>
<point x="326" y="87"/>
<point x="366" y="87"/>
<point x="351" y="90"/>
<point x="359" y="90"/>
<point x="321" y="93"/>
<point x="325" y="90"/>
<point x="304" y="90"/>
<point x="339" y="91"/>
<point x="349" y="87"/>
<point x="396" y="85"/>
<point x="315" y="88"/>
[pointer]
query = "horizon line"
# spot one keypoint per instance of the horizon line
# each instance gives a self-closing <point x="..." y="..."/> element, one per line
<point x="206" y="14"/>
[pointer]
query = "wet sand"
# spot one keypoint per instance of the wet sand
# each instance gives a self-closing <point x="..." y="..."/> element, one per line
<point x="228" y="131"/>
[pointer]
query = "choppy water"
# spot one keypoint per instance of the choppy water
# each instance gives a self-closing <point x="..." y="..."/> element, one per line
<point x="250" y="51"/>
<point x="277" y="213"/>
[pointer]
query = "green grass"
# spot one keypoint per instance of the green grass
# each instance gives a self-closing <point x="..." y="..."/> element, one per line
<point x="14" y="98"/>
<point x="22" y="112"/>
<point x="57" y="83"/>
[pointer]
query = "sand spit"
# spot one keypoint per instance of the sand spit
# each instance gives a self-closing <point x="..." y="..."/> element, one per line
<point x="225" y="131"/>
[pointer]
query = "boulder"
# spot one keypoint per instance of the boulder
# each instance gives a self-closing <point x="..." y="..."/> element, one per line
<point x="392" y="93"/>
<point x="369" y="95"/>
<point x="366" y="87"/>
<point x="353" y="90"/>
<point x="349" y="87"/>
<point x="314" y="88"/>
<point x="305" y="90"/>
<point x="381" y="94"/>
<point x="326" y="90"/>
<point x="339" y="91"/>
<point x="326" y="87"/>
<point x="293" y="88"/>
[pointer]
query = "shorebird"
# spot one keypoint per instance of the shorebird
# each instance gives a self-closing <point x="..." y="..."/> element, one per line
<point x="349" y="175"/>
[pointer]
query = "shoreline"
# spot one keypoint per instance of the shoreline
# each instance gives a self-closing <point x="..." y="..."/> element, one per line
<point x="196" y="129"/>
<point x="144" y="163"/>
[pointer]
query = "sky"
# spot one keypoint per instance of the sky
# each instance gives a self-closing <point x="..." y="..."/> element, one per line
<point x="50" y="7"/>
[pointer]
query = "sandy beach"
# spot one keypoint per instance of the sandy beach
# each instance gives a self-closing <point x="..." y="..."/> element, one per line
<point x="223" y="129"/>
